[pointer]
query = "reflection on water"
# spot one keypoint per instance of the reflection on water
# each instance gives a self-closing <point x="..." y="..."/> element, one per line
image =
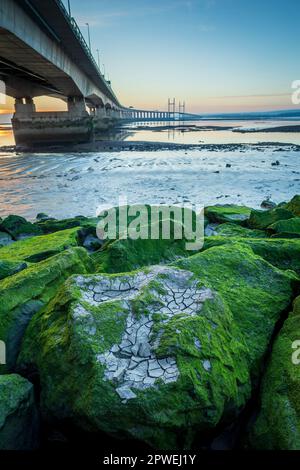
<point x="6" y="136"/>
<point x="217" y="132"/>
<point x="179" y="132"/>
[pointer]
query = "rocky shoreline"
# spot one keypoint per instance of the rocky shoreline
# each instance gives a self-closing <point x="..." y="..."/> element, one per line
<point x="146" y="341"/>
<point x="145" y="146"/>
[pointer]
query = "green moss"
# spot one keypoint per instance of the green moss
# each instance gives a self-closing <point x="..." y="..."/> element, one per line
<point x="53" y="225"/>
<point x="256" y="291"/>
<point x="128" y="254"/>
<point x="262" y="219"/>
<point x="294" y="205"/>
<point x="8" y="268"/>
<point x="228" y="213"/>
<point x="38" y="248"/>
<point x="18" y="414"/>
<point x="234" y="230"/>
<point x="282" y="253"/>
<point x="278" y="423"/>
<point x="24" y="293"/>
<point x="18" y="227"/>
<point x="290" y="226"/>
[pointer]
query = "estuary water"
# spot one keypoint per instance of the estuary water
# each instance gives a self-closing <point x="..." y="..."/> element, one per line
<point x="65" y="184"/>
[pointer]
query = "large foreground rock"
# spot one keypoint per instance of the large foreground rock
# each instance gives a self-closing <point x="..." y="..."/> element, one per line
<point x="19" y="424"/>
<point x="161" y="353"/>
<point x="278" y="422"/>
<point x="24" y="293"/>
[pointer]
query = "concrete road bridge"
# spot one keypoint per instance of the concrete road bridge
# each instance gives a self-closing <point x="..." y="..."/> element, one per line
<point x="43" y="52"/>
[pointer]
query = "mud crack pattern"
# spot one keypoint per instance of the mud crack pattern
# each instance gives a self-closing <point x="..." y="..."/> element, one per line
<point x="132" y="364"/>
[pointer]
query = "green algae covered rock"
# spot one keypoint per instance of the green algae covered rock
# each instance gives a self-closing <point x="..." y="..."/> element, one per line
<point x="128" y="254"/>
<point x="294" y="205"/>
<point x="18" y="227"/>
<point x="171" y="241"/>
<point x="161" y="353"/>
<point x="282" y="253"/>
<point x="228" y="213"/>
<point x="278" y="423"/>
<point x="285" y="228"/>
<point x="234" y="230"/>
<point x="52" y="225"/>
<point x="19" y="422"/>
<point x="24" y="293"/>
<point x="262" y="219"/>
<point x="36" y="249"/>
<point x="8" y="268"/>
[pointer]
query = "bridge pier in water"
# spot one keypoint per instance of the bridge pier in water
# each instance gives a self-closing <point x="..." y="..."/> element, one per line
<point x="76" y="125"/>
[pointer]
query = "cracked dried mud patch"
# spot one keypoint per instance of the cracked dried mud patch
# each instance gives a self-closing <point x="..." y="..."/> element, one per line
<point x="132" y="364"/>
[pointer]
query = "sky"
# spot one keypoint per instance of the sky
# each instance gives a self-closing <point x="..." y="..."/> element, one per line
<point x="216" y="55"/>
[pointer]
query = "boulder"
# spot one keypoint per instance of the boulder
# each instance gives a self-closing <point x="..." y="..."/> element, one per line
<point x="228" y="213"/>
<point x="268" y="204"/>
<point x="286" y="228"/>
<point x="19" y="228"/>
<point x="277" y="426"/>
<point x="294" y="205"/>
<point x="38" y="248"/>
<point x="19" y="420"/>
<point x="262" y="219"/>
<point x="42" y="217"/>
<point x="23" y="294"/>
<point x="8" y="268"/>
<point x="161" y="353"/>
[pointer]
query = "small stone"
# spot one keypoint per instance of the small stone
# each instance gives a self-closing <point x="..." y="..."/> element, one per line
<point x="206" y="364"/>
<point x="125" y="393"/>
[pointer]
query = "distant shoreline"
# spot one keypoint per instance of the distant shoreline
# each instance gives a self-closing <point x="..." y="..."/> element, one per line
<point x="288" y="129"/>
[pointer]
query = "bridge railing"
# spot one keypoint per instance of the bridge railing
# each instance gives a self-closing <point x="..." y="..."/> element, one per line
<point x="80" y="37"/>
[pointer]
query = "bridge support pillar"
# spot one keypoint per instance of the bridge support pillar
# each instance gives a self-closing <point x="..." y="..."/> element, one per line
<point x="24" y="106"/>
<point x="33" y="128"/>
<point x="76" y="106"/>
